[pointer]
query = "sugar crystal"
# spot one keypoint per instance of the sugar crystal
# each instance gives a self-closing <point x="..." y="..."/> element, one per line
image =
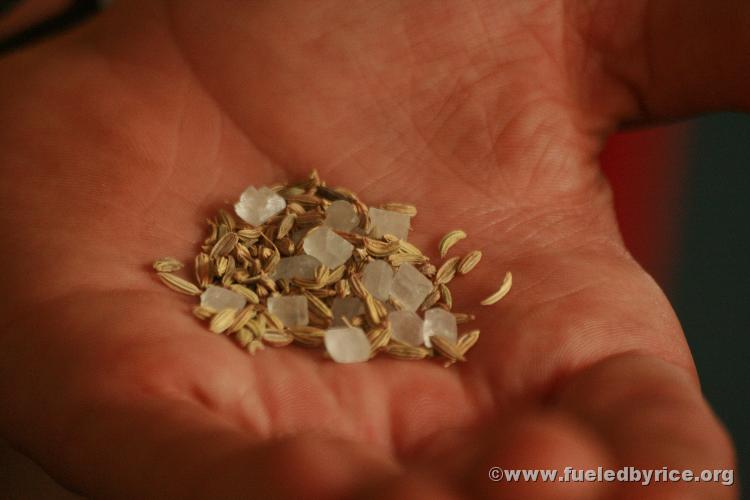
<point x="256" y="206"/>
<point x="440" y="322"/>
<point x="290" y="309"/>
<point x="410" y="287"/>
<point x="328" y="247"/>
<point x="377" y="278"/>
<point x="347" y="345"/>
<point x="406" y="327"/>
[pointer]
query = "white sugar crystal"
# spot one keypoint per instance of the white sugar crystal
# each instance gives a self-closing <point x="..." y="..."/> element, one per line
<point x="328" y="247"/>
<point x="440" y="322"/>
<point x="410" y="287"/>
<point x="406" y="327"/>
<point x="347" y="345"/>
<point x="218" y="298"/>
<point x="290" y="309"/>
<point x="388" y="222"/>
<point x="346" y="307"/>
<point x="299" y="266"/>
<point x="377" y="278"/>
<point x="341" y="216"/>
<point x="256" y="206"/>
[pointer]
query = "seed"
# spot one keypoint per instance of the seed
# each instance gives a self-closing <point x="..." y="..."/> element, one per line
<point x="201" y="312"/>
<point x="467" y="341"/>
<point x="403" y="351"/>
<point x="167" y="265"/>
<point x="379" y="338"/>
<point x="244" y="337"/>
<point x="378" y="248"/>
<point x="222" y="320"/>
<point x="277" y="338"/>
<point x="447" y="348"/>
<point x="254" y="346"/>
<point x="373" y="310"/>
<point x="225" y="245"/>
<point x="469" y="261"/>
<point x="431" y="299"/>
<point x="242" y="319"/>
<point x="178" y="284"/>
<point x="308" y="335"/>
<point x="463" y="317"/>
<point x="286" y="225"/>
<point x="251" y="296"/>
<point x="504" y="289"/>
<point x="446" y="295"/>
<point x="449" y="240"/>
<point x="402" y="208"/>
<point x="203" y="269"/>
<point x="318" y="306"/>
<point x="447" y="271"/>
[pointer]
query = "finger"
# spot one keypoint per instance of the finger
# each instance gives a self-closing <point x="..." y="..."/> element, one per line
<point x="651" y="415"/>
<point x="671" y="57"/>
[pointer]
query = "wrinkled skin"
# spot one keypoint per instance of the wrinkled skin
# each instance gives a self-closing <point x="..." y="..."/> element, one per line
<point x="117" y="141"/>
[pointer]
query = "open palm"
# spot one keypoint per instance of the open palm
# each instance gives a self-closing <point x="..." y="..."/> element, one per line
<point x="118" y="140"/>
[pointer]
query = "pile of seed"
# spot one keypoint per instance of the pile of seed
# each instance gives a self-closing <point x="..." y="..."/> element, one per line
<point x="309" y="264"/>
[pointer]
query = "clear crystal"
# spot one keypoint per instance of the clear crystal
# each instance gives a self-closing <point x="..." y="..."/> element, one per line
<point x="388" y="222"/>
<point x="256" y="206"/>
<point x="438" y="321"/>
<point x="218" y="298"/>
<point x="406" y="327"/>
<point x="347" y="345"/>
<point x="341" y="216"/>
<point x="290" y="309"/>
<point x="377" y="278"/>
<point x="346" y="307"/>
<point x="328" y="247"/>
<point x="410" y="287"/>
<point x="299" y="266"/>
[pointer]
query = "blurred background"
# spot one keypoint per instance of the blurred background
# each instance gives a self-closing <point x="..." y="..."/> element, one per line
<point x="682" y="194"/>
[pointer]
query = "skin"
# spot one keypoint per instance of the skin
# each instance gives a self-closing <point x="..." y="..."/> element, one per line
<point x="117" y="140"/>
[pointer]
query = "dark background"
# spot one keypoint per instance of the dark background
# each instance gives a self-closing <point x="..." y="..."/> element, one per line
<point x="710" y="290"/>
<point x="706" y="273"/>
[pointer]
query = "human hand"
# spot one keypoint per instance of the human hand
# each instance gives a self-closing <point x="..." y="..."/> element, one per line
<point x="117" y="140"/>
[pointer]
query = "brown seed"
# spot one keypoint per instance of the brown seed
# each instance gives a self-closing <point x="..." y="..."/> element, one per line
<point x="204" y="313"/>
<point x="447" y="271"/>
<point x="469" y="261"/>
<point x="244" y="337"/>
<point x="308" y="335"/>
<point x="178" y="284"/>
<point x="504" y="289"/>
<point x="379" y="338"/>
<point x="242" y="318"/>
<point x="277" y="338"/>
<point x="431" y="299"/>
<point x="402" y="208"/>
<point x="467" y="341"/>
<point x="318" y="306"/>
<point x="372" y="310"/>
<point x="222" y="320"/>
<point x="225" y="245"/>
<point x="203" y="269"/>
<point x="286" y="225"/>
<point x="449" y="240"/>
<point x="250" y="295"/>
<point x="378" y="248"/>
<point x="463" y="317"/>
<point x="403" y="351"/>
<point x="167" y="265"/>
<point x="447" y="348"/>
<point x="250" y="235"/>
<point x="445" y="295"/>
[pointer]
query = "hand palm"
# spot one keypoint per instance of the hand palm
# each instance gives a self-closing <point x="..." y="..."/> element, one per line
<point x="139" y="139"/>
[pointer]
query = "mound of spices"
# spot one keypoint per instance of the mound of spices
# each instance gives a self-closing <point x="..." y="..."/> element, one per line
<point x="313" y="265"/>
